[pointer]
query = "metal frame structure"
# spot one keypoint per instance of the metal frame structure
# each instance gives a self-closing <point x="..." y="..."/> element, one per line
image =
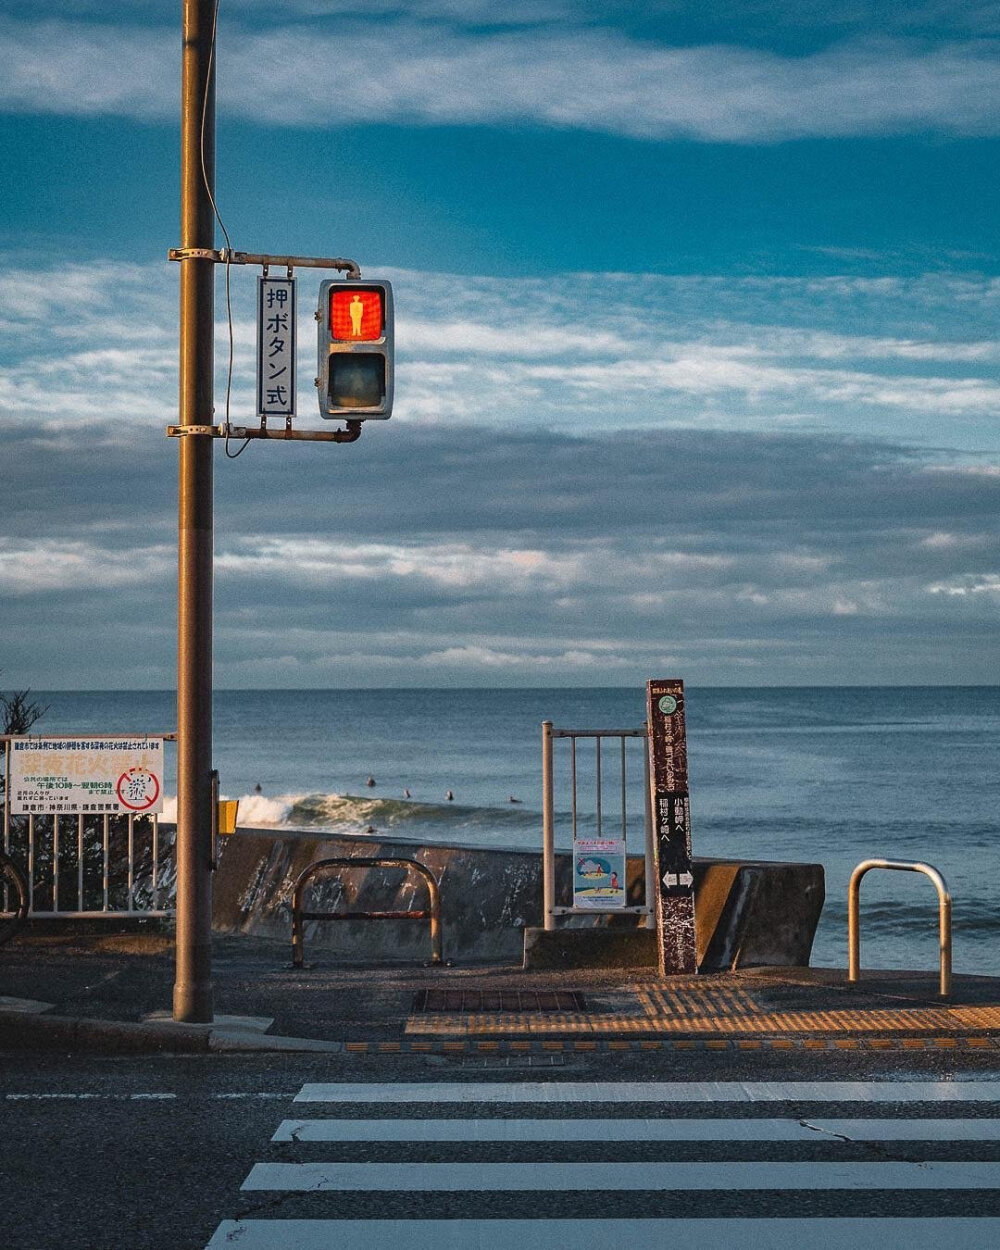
<point x="549" y="734"/>
<point x="79" y="820"/>
<point x="854" y="916"/>
<point x="226" y="256"/>
<point x="432" y="913"/>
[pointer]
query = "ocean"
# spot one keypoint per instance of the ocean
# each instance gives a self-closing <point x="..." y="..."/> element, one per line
<point x="832" y="775"/>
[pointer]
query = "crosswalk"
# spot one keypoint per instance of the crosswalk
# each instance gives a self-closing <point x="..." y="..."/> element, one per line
<point x="510" y="1165"/>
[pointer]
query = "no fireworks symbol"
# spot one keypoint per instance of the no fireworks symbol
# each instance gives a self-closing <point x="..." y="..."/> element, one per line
<point x="138" y="789"/>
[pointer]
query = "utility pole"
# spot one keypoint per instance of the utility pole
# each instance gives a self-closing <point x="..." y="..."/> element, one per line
<point x="193" y="977"/>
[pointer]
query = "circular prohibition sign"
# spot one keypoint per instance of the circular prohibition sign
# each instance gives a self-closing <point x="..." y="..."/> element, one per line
<point x="138" y="789"/>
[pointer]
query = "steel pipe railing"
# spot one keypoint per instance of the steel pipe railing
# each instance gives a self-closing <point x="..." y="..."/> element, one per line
<point x="550" y="910"/>
<point x="854" y="916"/>
<point x="322" y="866"/>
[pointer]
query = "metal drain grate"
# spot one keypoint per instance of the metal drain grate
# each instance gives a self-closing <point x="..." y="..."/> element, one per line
<point x="477" y="1001"/>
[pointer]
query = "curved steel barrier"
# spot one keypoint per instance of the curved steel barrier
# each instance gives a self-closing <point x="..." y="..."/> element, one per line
<point x="433" y="913"/>
<point x="854" y="913"/>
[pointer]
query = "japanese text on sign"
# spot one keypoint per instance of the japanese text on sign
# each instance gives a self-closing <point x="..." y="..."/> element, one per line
<point x="276" y="347"/>
<point x="109" y="776"/>
<point x="669" y="798"/>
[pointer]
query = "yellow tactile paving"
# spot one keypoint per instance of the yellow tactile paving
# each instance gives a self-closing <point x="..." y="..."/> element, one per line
<point x="727" y="1013"/>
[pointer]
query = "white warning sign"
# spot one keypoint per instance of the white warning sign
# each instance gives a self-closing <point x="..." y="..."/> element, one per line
<point x="109" y="776"/>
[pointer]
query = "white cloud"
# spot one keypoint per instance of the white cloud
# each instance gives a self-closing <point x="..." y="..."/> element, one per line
<point x="523" y="658"/>
<point x="970" y="584"/>
<point x="737" y="353"/>
<point x="453" y="566"/>
<point x="436" y="73"/>
<point x="44" y="567"/>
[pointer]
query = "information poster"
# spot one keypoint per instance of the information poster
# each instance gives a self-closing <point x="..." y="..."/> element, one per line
<point x="110" y="776"/>
<point x="599" y="873"/>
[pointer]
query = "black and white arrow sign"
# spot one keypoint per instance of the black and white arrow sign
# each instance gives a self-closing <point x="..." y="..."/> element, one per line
<point x="671" y="879"/>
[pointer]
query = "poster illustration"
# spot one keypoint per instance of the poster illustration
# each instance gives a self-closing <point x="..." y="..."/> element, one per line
<point x="599" y="873"/>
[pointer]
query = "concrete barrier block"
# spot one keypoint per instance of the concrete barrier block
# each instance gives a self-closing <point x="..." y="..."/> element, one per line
<point x="747" y="912"/>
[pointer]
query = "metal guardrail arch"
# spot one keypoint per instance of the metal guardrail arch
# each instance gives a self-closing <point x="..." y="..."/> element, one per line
<point x="854" y="916"/>
<point x="325" y="866"/>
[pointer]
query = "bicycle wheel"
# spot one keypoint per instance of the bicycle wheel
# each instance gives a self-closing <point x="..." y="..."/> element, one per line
<point x="13" y="899"/>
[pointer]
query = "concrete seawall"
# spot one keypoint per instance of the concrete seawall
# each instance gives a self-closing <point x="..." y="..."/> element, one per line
<point x="747" y="912"/>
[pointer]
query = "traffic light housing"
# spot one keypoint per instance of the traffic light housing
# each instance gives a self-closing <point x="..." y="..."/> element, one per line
<point x="355" y="349"/>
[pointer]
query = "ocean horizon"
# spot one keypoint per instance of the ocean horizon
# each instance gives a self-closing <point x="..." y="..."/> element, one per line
<point x="825" y="774"/>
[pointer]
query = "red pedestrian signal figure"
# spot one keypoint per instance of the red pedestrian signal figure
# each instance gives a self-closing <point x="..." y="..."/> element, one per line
<point x="355" y="377"/>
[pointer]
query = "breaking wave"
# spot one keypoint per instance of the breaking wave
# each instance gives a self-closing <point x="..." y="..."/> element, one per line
<point x="347" y="814"/>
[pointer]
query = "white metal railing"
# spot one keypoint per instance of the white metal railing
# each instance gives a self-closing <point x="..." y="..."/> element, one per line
<point x="598" y="736"/>
<point x="854" y="916"/>
<point x="90" y="865"/>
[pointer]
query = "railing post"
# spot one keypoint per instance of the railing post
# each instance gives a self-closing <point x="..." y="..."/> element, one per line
<point x="437" y="945"/>
<point x="853" y="922"/>
<point x="298" y="945"/>
<point x="548" y="831"/>
<point x="944" y="936"/>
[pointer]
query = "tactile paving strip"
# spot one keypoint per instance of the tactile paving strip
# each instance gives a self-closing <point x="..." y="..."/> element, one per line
<point x="551" y="1049"/>
<point x="682" y="1010"/>
<point x="473" y="1000"/>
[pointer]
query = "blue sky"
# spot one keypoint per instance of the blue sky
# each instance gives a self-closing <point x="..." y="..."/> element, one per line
<point x="697" y="342"/>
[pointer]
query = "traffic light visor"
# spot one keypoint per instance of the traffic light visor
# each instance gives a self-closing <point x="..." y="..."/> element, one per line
<point x="356" y="315"/>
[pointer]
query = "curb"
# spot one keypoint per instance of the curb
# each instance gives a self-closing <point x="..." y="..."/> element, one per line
<point x="23" y="1031"/>
<point x="20" y="1030"/>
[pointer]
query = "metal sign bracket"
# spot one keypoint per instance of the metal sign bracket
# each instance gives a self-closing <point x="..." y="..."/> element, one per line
<point x="226" y="256"/>
<point x="349" y="435"/>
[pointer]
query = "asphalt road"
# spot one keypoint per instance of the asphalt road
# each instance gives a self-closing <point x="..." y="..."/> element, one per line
<point x="151" y="1152"/>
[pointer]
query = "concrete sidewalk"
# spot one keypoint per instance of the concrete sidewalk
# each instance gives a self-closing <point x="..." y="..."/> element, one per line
<point x="104" y="991"/>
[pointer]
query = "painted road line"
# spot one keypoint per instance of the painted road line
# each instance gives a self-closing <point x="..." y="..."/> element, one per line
<point x="634" y="1130"/>
<point x="150" y="1097"/>
<point x="588" y="1234"/>
<point x="651" y="1091"/>
<point x="595" y="1177"/>
<point x="88" y="1097"/>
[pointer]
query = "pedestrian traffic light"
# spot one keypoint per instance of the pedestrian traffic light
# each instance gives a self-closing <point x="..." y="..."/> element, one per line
<point x="355" y="349"/>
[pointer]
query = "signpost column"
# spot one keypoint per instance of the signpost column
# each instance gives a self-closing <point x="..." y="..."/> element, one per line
<point x="671" y="827"/>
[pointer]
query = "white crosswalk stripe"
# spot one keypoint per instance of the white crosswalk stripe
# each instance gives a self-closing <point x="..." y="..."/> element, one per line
<point x="707" y="1234"/>
<point x="634" y="1130"/>
<point x="920" y="1171"/>
<point x="537" y="1092"/>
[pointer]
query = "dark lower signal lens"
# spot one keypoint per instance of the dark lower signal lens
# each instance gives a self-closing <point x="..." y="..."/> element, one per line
<point x="357" y="380"/>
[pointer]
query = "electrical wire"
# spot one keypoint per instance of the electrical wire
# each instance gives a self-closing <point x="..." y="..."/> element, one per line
<point x="222" y="226"/>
